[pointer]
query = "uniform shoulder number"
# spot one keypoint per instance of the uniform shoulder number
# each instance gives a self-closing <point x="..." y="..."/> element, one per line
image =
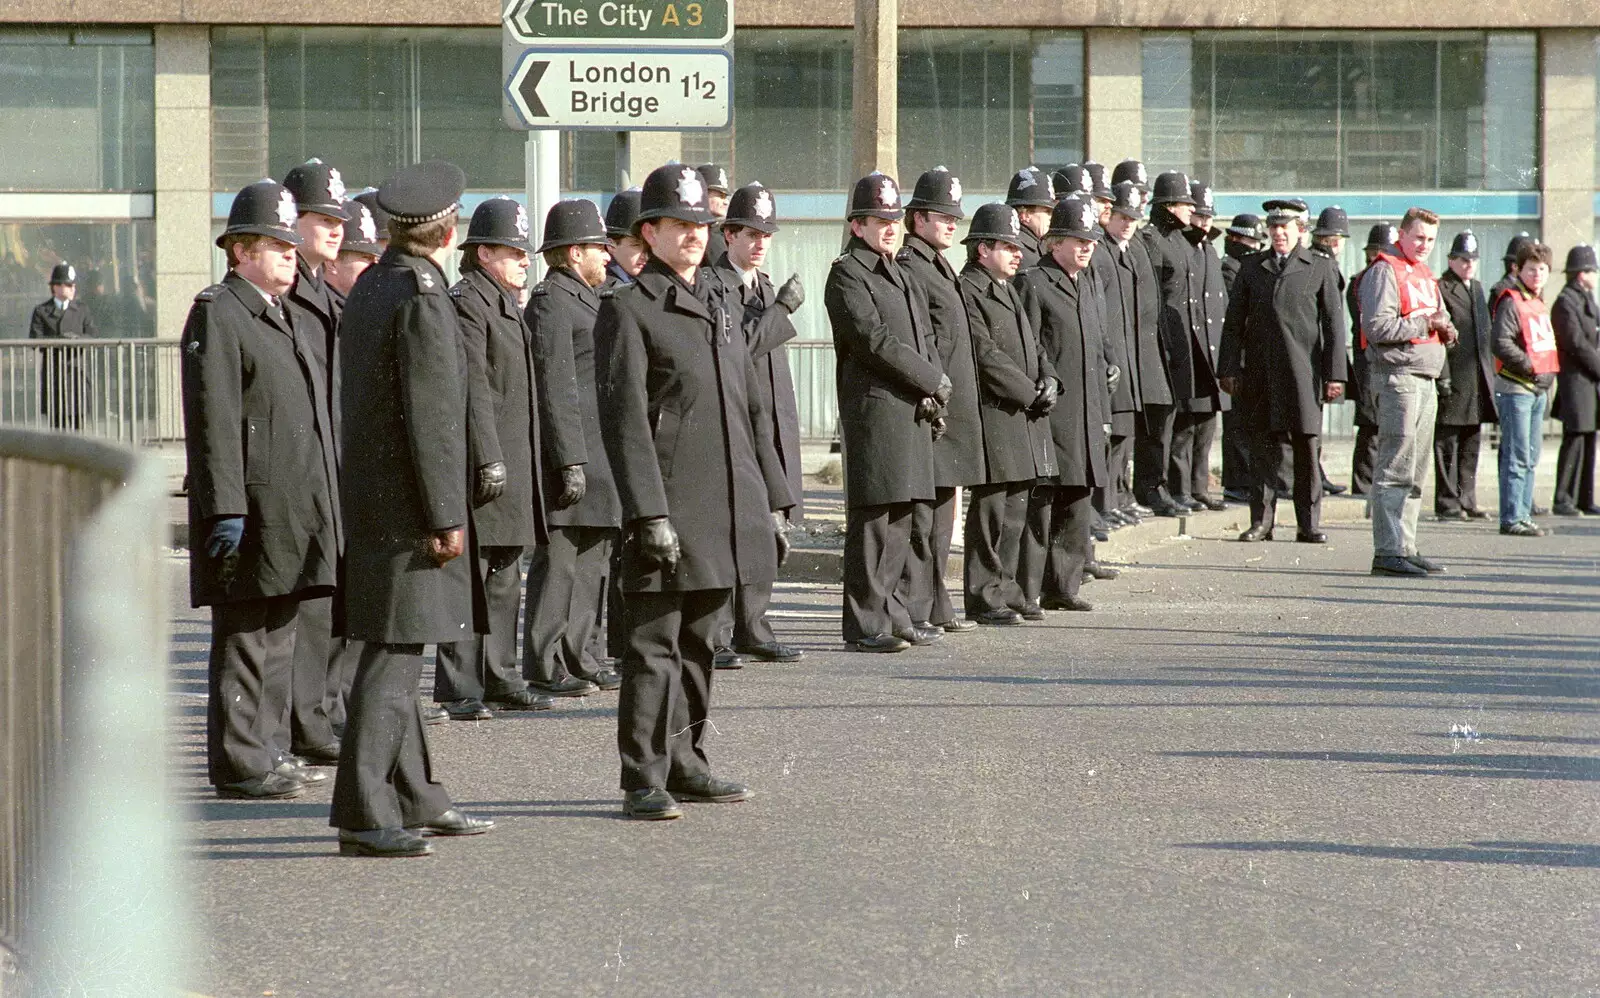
<point x="211" y="293"/>
<point x="426" y="282"/>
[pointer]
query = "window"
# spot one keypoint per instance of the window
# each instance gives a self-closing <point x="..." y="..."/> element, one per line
<point x="116" y="272"/>
<point x="85" y="99"/>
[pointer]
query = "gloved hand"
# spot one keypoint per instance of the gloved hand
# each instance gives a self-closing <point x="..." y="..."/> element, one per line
<point x="780" y="531"/>
<point x="658" y="542"/>
<point x="928" y="410"/>
<point x="444" y="546"/>
<point x="942" y="393"/>
<point x="1113" y="375"/>
<point x="1049" y="391"/>
<point x="227" y="533"/>
<point x="574" y="485"/>
<point x="490" y="484"/>
<point x="939" y="427"/>
<point x="792" y="294"/>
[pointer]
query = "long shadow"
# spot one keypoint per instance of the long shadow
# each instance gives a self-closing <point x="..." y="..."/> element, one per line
<point x="1443" y="682"/>
<point x="1569" y="855"/>
<point x="1482" y="765"/>
<point x="1530" y="739"/>
<point x="1501" y="607"/>
<point x="1513" y="705"/>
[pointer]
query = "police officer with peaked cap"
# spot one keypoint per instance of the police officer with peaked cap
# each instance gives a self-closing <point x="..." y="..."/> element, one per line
<point x="567" y="580"/>
<point x="1194" y="426"/>
<point x="263" y="519"/>
<point x="1466" y="387"/>
<point x="1031" y="193"/>
<point x="1380" y="239"/>
<point x="699" y="482"/>
<point x="410" y="558"/>
<point x="717" y="192"/>
<point x="481" y="671"/>
<point x="1575" y="317"/>
<point x="62" y="392"/>
<point x="628" y="251"/>
<point x="932" y="215"/>
<point x="892" y="389"/>
<point x="1017" y="388"/>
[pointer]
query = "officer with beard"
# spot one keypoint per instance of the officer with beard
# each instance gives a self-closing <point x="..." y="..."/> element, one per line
<point x="1031" y="194"/>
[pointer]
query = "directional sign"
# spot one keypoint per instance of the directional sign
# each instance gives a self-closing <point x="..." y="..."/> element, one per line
<point x="601" y="23"/>
<point x="619" y="90"/>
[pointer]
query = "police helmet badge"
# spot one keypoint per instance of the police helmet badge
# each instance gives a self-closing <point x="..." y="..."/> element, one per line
<point x="522" y="221"/>
<point x="335" y="184"/>
<point x="1012" y="222"/>
<point x="690" y="190"/>
<point x="887" y="195"/>
<point x="1025" y="180"/>
<point x="1085" y="182"/>
<point x="369" y="228"/>
<point x="1469" y="242"/>
<point x="762" y="206"/>
<point x="955" y="188"/>
<point x="287" y="212"/>
<point x="1085" y="218"/>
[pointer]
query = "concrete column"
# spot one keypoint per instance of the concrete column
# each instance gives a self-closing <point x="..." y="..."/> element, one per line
<point x="1114" y="104"/>
<point x="1567" y="143"/>
<point x="183" y="170"/>
<point x="876" y="94"/>
<point x="648" y="150"/>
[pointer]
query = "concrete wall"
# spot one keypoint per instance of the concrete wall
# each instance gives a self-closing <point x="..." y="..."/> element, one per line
<point x="1566" y="168"/>
<point x="183" y="171"/>
<point x="1114" y="106"/>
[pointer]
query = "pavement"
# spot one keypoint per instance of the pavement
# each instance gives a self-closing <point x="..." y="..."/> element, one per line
<point x="1252" y="770"/>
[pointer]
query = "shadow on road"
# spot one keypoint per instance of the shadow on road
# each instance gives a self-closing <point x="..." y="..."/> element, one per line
<point x="1503" y="766"/>
<point x="1558" y="854"/>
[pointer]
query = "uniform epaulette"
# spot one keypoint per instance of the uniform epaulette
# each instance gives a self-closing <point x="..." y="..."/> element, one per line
<point x="841" y="258"/>
<point x="210" y="294"/>
<point x="611" y="292"/>
<point x="458" y="289"/>
<point x="426" y="283"/>
<point x="540" y="289"/>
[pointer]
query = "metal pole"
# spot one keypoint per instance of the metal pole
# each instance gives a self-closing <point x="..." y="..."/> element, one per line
<point x="542" y="176"/>
<point x="624" y="161"/>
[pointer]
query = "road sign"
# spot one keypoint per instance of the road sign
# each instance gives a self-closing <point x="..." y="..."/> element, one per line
<point x="602" y="23"/>
<point x="618" y="90"/>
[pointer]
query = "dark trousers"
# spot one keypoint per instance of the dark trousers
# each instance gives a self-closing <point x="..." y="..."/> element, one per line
<point x="249" y="678"/>
<point x="1071" y="515"/>
<point x="932" y="528"/>
<point x="485" y="665"/>
<point x="1235" y="453"/>
<point x="992" y="538"/>
<point x="317" y="657"/>
<point x="1189" y="468"/>
<point x="1575" y="470"/>
<point x="1366" y="451"/>
<point x="616" y="615"/>
<point x="1114" y="494"/>
<point x="1033" y="550"/>
<point x="1272" y="456"/>
<point x="1152" y="450"/>
<point x="566" y="585"/>
<point x="1455" y="467"/>
<point x="877" y="540"/>
<point x="745" y="623"/>
<point x="343" y="658"/>
<point x="385" y="777"/>
<point x="666" y="685"/>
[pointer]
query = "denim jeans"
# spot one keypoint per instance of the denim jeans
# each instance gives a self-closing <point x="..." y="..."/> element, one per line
<point x="1407" y="407"/>
<point x="1521" y="436"/>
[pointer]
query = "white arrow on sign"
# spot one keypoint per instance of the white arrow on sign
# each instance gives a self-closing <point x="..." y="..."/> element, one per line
<point x="621" y="90"/>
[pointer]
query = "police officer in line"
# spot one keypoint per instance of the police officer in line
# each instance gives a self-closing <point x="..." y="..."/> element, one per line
<point x="718" y="190"/>
<point x="263" y="521"/>
<point x="1194" y="426"/>
<point x="481" y="671"/>
<point x="1380" y="239"/>
<point x="1508" y="278"/>
<point x="892" y="390"/>
<point x="1017" y="388"/>
<point x="1327" y="242"/>
<point x="568" y="576"/>
<point x="933" y="213"/>
<point x="1283" y="357"/>
<point x="1131" y="171"/>
<point x="1466" y="388"/>
<point x="410" y="560"/>
<point x="322" y="661"/>
<point x="1031" y="193"/>
<point x="62" y="393"/>
<point x="1240" y="240"/>
<point x="1146" y="356"/>
<point x="1121" y="319"/>
<point x="1062" y="304"/>
<point x="380" y="218"/>
<point x="628" y="251"/>
<point x="358" y="250"/>
<point x="1575" y="317"/>
<point x="749" y="227"/>
<point x="701" y="488"/>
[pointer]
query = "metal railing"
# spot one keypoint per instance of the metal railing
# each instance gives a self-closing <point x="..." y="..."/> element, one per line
<point x="88" y="902"/>
<point x="124" y="390"/>
<point x="815" y="380"/>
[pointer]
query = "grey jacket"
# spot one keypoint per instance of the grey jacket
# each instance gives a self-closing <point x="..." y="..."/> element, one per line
<point x="1388" y="335"/>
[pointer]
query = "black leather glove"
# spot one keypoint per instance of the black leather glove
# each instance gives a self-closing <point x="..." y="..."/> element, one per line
<point x="1113" y="375"/>
<point x="574" y="485"/>
<point x="780" y="531"/>
<point x="928" y="410"/>
<point x="942" y="393"/>
<point x="490" y="484"/>
<point x="939" y="427"/>
<point x="227" y="533"/>
<point x="792" y="295"/>
<point x="1049" y="391"/>
<point x="658" y="542"/>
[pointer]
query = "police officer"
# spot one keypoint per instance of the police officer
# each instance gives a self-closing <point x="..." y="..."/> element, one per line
<point x="1380" y="239"/>
<point x="1466" y="388"/>
<point x="1239" y="241"/>
<point x="1121" y="321"/>
<point x="380" y="218"/>
<point x="263" y="522"/>
<point x="1327" y="243"/>
<point x="1131" y="171"/>
<point x="933" y="213"/>
<point x="62" y="316"/>
<point x="358" y="250"/>
<point x="1061" y="302"/>
<point x="700" y="486"/>
<point x="749" y="227"/>
<point x="717" y="191"/>
<point x="892" y="391"/>
<point x="1283" y="356"/>
<point x="410" y="574"/>
<point x="1031" y="193"/>
<point x="1576" y="319"/>
<point x="1017" y="388"/>
<point x="628" y="251"/>
<point x="567" y="580"/>
<point x="1508" y="279"/>
<point x="1194" y="426"/>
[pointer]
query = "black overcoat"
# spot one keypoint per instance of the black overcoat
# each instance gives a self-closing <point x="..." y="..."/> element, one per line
<point x="1016" y="444"/>
<point x="1214" y="290"/>
<point x="1066" y="313"/>
<point x="686" y="437"/>
<point x="322" y="307"/>
<point x="1574" y="316"/>
<point x="76" y="322"/>
<point x="1180" y="274"/>
<point x="1361" y="390"/>
<point x="259" y="446"/>
<point x="887" y="362"/>
<point x="1118" y="327"/>
<point x="406" y="471"/>
<point x="1469" y="362"/>
<point x="1032" y="249"/>
<point x="1284" y="340"/>
<point x="958" y="455"/>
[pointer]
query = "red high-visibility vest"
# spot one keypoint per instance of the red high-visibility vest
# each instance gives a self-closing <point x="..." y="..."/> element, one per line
<point x="1418" y="290"/>
<point x="1538" y="335"/>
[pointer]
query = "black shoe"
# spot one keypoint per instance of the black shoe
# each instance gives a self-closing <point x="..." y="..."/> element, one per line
<point x="454" y="822"/>
<point x="1391" y="564"/>
<point x="291" y="769"/>
<point x="1522" y="529"/>
<point x="881" y="643"/>
<point x="650" y="804"/>
<point x="1236" y="495"/>
<point x="566" y="686"/>
<point x="726" y="658"/>
<point x="1426" y="564"/>
<point x="956" y="625"/>
<point x="467" y="710"/>
<point x="1539" y="510"/>
<point x="1210" y="502"/>
<point x="1589" y="510"/>
<point x="382" y="842"/>
<point x="267" y="786"/>
<point x="771" y="651"/>
<point x="1329" y="488"/>
<point x="606" y="679"/>
<point x="321" y="755"/>
<point x="1003" y="617"/>
<point x="1311" y="537"/>
<point x="527" y="699"/>
<point x="708" y="789"/>
<point x="1031" y="611"/>
<point x="1477" y="514"/>
<point x="1256" y="533"/>
<point x="1140" y="509"/>
<point x="432" y="713"/>
<point x="1100" y="534"/>
<point x="1165" y="507"/>
<point x="917" y="636"/>
<point x="1565" y="510"/>
<point x="1066" y="603"/>
<point x="1095" y="570"/>
<point x="1451" y="514"/>
<point x="1188" y="504"/>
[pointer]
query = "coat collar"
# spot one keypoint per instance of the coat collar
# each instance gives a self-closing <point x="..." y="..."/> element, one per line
<point x="869" y="257"/>
<point x="1057" y="276"/>
<point x="250" y="296"/>
<point x="984" y="283"/>
<point x="924" y="249"/>
<point x="662" y="285"/>
<point x="571" y="283"/>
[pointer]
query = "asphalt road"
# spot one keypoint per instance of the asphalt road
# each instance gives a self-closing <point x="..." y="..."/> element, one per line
<point x="1253" y="770"/>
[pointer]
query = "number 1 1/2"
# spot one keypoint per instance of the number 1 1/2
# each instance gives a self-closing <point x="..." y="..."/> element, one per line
<point x="694" y="84"/>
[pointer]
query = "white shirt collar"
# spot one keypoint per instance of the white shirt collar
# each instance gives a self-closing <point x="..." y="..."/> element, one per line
<point x="271" y="299"/>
